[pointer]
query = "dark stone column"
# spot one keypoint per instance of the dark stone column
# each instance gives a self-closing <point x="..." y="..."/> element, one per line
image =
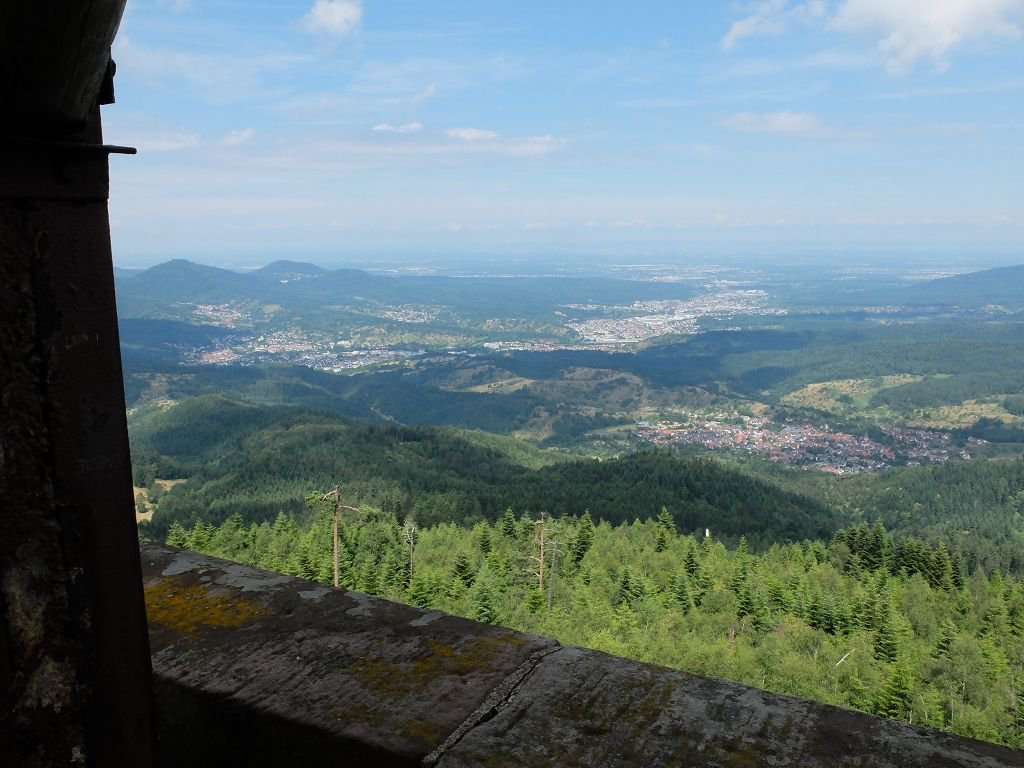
<point x="74" y="656"/>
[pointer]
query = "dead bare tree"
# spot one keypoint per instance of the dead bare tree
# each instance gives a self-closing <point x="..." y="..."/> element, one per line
<point x="336" y="493"/>
<point x="539" y="558"/>
<point x="410" y="538"/>
<point x="554" y="570"/>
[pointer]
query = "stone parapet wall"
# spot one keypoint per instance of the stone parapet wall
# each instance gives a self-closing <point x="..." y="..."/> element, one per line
<point x="254" y="668"/>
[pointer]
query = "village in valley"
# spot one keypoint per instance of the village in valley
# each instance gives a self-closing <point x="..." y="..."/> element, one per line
<point x="806" y="445"/>
<point x="645" y="320"/>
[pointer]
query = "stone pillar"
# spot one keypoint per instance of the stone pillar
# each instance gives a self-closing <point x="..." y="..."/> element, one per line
<point x="74" y="655"/>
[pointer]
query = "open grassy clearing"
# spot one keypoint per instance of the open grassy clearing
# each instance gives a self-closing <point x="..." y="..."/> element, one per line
<point x="962" y="416"/>
<point x="845" y="395"/>
<point x="145" y="503"/>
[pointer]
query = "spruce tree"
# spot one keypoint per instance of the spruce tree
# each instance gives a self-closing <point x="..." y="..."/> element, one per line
<point x="463" y="569"/>
<point x="482" y="537"/>
<point x="177" y="536"/>
<point x="583" y="539"/>
<point x="484" y="608"/>
<point x="959" y="570"/>
<point x="680" y="592"/>
<point x="507" y="523"/>
<point x="946" y="634"/>
<point x="885" y="637"/>
<point x="666" y="531"/>
<point x="894" y="699"/>
<point x="692" y="562"/>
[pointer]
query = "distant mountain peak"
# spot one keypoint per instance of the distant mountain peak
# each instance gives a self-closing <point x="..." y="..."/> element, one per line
<point x="288" y="267"/>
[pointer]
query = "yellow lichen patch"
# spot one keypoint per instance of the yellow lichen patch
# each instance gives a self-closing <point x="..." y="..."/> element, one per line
<point x="442" y="660"/>
<point x="475" y="654"/>
<point x="427" y="731"/>
<point x="188" y="608"/>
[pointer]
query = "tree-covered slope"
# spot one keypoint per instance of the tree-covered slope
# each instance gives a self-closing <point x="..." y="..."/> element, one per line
<point x="893" y="627"/>
<point x="1000" y="286"/>
<point x="976" y="507"/>
<point x="257" y="461"/>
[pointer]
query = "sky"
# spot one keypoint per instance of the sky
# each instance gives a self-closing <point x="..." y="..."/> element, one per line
<point x="333" y="129"/>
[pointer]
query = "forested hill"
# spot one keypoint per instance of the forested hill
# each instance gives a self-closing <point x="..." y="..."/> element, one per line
<point x="258" y="461"/>
<point x="304" y="286"/>
<point x="1002" y="285"/>
<point x="976" y="507"/>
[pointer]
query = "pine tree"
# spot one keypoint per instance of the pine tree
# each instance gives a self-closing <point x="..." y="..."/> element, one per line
<point x="583" y="539"/>
<point x="692" y="563"/>
<point x="877" y="548"/>
<point x="946" y="634"/>
<point x="959" y="570"/>
<point x="680" y="592"/>
<point x="1017" y="612"/>
<point x="994" y="623"/>
<point x="482" y="537"/>
<point x="367" y="579"/>
<point x="483" y="608"/>
<point x="507" y="523"/>
<point x="885" y="637"/>
<point x="666" y="531"/>
<point x="463" y="569"/>
<point x="421" y="592"/>
<point x="942" y="569"/>
<point x="779" y="599"/>
<point x="660" y="539"/>
<point x="895" y="697"/>
<point x="745" y="603"/>
<point x="395" y="575"/>
<point x="177" y="536"/>
<point x="199" y="538"/>
<point x="631" y="588"/>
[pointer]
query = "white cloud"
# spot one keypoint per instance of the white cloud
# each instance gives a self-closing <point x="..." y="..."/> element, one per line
<point x="765" y="20"/>
<point x="658" y="103"/>
<point x="348" y="155"/>
<point x="148" y="133"/>
<point x="415" y="127"/>
<point x="771" y="17"/>
<point x="944" y="130"/>
<point x="533" y="145"/>
<point x="425" y="94"/>
<point x="789" y="124"/>
<point x="471" y="134"/>
<point x="793" y="123"/>
<point x="220" y="78"/>
<point x="237" y="138"/>
<point x="167" y="141"/>
<point x="335" y="18"/>
<point x="912" y="30"/>
<point x="909" y="30"/>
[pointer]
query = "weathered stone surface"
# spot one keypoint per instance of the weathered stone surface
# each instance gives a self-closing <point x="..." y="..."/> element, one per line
<point x="584" y="708"/>
<point x="253" y="668"/>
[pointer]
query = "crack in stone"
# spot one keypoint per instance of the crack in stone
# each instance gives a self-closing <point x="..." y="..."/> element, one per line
<point x="491" y="705"/>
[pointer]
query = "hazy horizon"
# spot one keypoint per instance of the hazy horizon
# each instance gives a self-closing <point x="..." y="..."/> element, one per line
<point x="356" y="126"/>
